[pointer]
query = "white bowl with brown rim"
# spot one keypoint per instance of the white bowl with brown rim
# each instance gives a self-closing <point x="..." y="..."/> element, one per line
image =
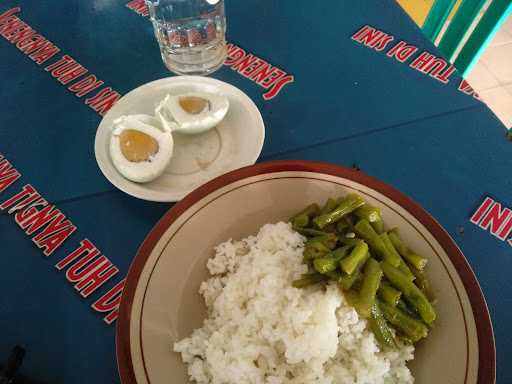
<point x="161" y="303"/>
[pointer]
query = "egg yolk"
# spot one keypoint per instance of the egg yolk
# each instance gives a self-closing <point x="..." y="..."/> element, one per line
<point x="137" y="146"/>
<point x="193" y="104"/>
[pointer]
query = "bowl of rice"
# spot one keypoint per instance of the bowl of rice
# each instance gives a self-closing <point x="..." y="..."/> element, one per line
<point x="209" y="297"/>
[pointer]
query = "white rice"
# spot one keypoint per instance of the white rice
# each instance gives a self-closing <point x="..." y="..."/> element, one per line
<point x="262" y="330"/>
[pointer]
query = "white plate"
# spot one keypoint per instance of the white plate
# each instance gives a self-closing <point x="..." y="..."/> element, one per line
<point x="236" y="142"/>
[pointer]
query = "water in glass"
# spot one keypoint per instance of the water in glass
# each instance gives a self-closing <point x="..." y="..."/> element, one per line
<point x="191" y="34"/>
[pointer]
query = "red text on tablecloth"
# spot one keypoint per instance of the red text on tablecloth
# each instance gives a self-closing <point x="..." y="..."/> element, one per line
<point x="495" y="218"/>
<point x="402" y="51"/>
<point x="66" y="70"/>
<point x="48" y="227"/>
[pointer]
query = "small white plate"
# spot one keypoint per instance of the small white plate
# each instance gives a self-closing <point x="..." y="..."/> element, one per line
<point x="236" y="142"/>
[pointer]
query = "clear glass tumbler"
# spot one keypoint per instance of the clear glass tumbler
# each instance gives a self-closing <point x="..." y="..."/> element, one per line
<point x="191" y="34"/>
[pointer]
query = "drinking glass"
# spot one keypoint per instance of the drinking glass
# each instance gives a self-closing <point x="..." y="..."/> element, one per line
<point x="190" y="33"/>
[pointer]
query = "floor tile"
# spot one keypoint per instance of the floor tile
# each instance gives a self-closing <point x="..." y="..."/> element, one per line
<point x="508" y="88"/>
<point x="508" y="24"/>
<point x="499" y="62"/>
<point x="499" y="100"/>
<point x="481" y="78"/>
<point x="501" y="37"/>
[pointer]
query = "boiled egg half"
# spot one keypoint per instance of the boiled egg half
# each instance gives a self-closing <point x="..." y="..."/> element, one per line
<point x="192" y="112"/>
<point x="140" y="148"/>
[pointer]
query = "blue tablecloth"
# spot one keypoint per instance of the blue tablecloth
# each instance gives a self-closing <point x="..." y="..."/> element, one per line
<point x="349" y="104"/>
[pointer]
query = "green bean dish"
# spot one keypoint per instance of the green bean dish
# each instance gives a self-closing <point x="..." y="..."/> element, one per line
<point x="380" y="276"/>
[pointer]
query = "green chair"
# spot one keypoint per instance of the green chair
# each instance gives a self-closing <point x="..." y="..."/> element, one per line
<point x="464" y="18"/>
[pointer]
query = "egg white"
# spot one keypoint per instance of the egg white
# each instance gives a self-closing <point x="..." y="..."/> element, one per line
<point x="142" y="171"/>
<point x="173" y="117"/>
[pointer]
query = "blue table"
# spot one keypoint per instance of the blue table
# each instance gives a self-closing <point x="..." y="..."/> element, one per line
<point x="354" y="100"/>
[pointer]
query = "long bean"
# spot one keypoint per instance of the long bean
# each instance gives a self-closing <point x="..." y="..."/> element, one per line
<point x="314" y="249"/>
<point x="352" y="241"/>
<point x="350" y="203"/>
<point x="330" y="262"/>
<point x="388" y="294"/>
<point x="302" y="218"/>
<point x="380" y="328"/>
<point x="422" y="282"/>
<point x="411" y="292"/>
<point x="342" y="226"/>
<point x="402" y="305"/>
<point x="412" y="258"/>
<point x="410" y="326"/>
<point x="396" y="256"/>
<point x="329" y="206"/>
<point x="406" y="270"/>
<point x="346" y="281"/>
<point x="334" y="275"/>
<point x="310" y="232"/>
<point x="308" y="280"/>
<point x="329" y="240"/>
<point x="350" y="263"/>
<point x="324" y="264"/>
<point x="371" y="282"/>
<point x="392" y="252"/>
<point x="376" y="243"/>
<point x="372" y="214"/>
